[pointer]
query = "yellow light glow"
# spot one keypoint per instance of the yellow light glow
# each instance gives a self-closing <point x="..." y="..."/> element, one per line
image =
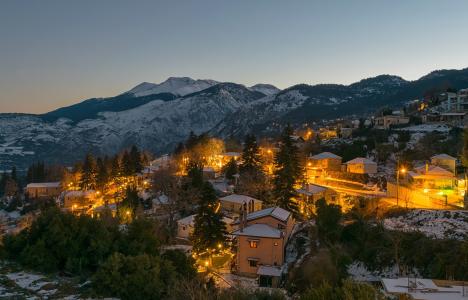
<point x="220" y="246"/>
<point x="206" y="263"/>
<point x="403" y="170"/>
<point x="426" y="191"/>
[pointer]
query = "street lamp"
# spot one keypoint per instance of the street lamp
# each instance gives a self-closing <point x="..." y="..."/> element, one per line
<point x="402" y="171"/>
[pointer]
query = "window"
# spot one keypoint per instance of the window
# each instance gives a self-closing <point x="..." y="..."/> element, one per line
<point x="253" y="244"/>
<point x="281" y="226"/>
<point x="253" y="263"/>
<point x="276" y="243"/>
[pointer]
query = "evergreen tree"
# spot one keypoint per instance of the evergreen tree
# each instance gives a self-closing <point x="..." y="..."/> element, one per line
<point x="101" y="176"/>
<point x="251" y="159"/>
<point x="231" y="169"/>
<point x="88" y="173"/>
<point x="135" y="160"/>
<point x="287" y="171"/>
<point x="115" y="168"/>
<point x="195" y="174"/>
<point x="210" y="229"/>
<point x="127" y="169"/>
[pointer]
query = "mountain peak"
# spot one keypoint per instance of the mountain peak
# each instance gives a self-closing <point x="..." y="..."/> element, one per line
<point x="178" y="86"/>
<point x="264" y="88"/>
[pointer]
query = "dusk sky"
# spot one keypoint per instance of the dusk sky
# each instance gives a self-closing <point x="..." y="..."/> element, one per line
<point x="56" y="53"/>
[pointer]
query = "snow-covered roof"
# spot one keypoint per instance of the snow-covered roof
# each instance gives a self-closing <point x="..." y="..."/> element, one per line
<point x="232" y="154"/>
<point x="311" y="189"/>
<point x="80" y="193"/>
<point x="269" y="271"/>
<point x="420" y="288"/>
<point x="432" y="170"/>
<point x="259" y="230"/>
<point x="43" y="185"/>
<point x="187" y="220"/>
<point x="190" y="220"/>
<point x="360" y="160"/>
<point x="276" y="212"/>
<point x="325" y="155"/>
<point x="161" y="199"/>
<point x="240" y="199"/>
<point x="443" y="156"/>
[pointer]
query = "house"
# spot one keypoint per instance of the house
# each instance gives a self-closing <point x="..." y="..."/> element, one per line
<point x="260" y="243"/>
<point x="43" y="190"/>
<point x="444" y="161"/>
<point x="326" y="161"/>
<point x="226" y="157"/>
<point x="361" y="165"/>
<point x="346" y="132"/>
<point x="432" y="177"/>
<point x="310" y="193"/>
<point x="234" y="203"/>
<point x="421" y="288"/>
<point x="385" y="122"/>
<point x="185" y="226"/>
<point x="209" y="173"/>
<point x="79" y="200"/>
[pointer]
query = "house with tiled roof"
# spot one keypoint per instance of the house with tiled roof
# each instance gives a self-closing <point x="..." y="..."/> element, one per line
<point x="261" y="242"/>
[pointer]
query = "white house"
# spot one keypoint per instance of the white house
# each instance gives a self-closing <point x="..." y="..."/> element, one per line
<point x="185" y="226"/>
<point x="234" y="203"/>
<point x="361" y="165"/>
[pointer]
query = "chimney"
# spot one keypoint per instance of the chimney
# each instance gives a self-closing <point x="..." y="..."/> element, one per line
<point x="243" y="216"/>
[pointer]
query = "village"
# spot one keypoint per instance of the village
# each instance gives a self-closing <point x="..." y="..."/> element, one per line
<point x="265" y="193"/>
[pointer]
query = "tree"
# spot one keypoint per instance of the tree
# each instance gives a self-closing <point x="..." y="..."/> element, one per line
<point x="328" y="220"/>
<point x="115" y="167"/>
<point x="101" y="176"/>
<point x="231" y="169"/>
<point x="134" y="277"/>
<point x="195" y="174"/>
<point x="251" y="159"/>
<point x="135" y="160"/>
<point x="210" y="229"/>
<point x="287" y="171"/>
<point x="88" y="176"/>
<point x="127" y="168"/>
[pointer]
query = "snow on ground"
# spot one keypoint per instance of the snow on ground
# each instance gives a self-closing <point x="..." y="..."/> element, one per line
<point x="27" y="281"/>
<point x="426" y="128"/>
<point x="359" y="272"/>
<point x="437" y="224"/>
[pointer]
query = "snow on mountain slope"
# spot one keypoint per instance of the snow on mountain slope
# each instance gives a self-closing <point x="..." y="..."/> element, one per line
<point x="266" y="89"/>
<point x="156" y="126"/>
<point x="180" y="86"/>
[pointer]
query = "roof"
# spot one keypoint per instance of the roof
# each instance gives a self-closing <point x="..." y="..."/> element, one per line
<point x="432" y="170"/>
<point x="232" y="154"/>
<point x="269" y="271"/>
<point x="43" y="185"/>
<point x="208" y="169"/>
<point x="275" y="212"/>
<point x="190" y="220"/>
<point x="311" y="189"/>
<point x="259" y="230"/>
<point x="79" y="193"/>
<point x="360" y="160"/>
<point x="420" y="288"/>
<point x="240" y="199"/>
<point x="443" y="156"/>
<point x="325" y="155"/>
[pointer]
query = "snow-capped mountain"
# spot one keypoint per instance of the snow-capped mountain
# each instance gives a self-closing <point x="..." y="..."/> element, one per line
<point x="179" y="86"/>
<point x="266" y="89"/>
<point x="157" y="117"/>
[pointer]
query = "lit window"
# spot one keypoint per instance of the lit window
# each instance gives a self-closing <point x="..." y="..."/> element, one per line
<point x="276" y="243"/>
<point x="253" y="244"/>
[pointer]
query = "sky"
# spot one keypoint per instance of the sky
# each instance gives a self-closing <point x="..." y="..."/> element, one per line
<point x="57" y="53"/>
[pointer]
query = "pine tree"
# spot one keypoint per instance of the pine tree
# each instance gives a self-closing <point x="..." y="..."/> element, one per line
<point x="251" y="159"/>
<point x="88" y="173"/>
<point x="210" y="229"/>
<point x="195" y="174"/>
<point x="287" y="171"/>
<point x="115" y="168"/>
<point x="127" y="169"/>
<point x="231" y="169"/>
<point x="135" y="160"/>
<point x="101" y="176"/>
